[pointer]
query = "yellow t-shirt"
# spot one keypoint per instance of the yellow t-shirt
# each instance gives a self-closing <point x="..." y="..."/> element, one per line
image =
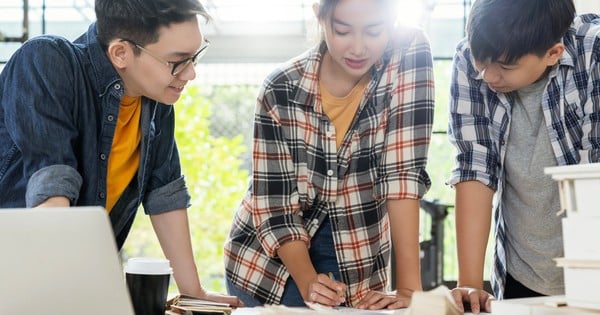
<point x="341" y="110"/>
<point x="124" y="158"/>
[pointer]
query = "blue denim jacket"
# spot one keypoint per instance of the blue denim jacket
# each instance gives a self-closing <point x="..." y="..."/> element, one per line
<point x="59" y="107"/>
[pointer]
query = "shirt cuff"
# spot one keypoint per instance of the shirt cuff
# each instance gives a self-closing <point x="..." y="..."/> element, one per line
<point x="52" y="181"/>
<point x="276" y="231"/>
<point x="172" y="196"/>
<point x="459" y="176"/>
<point x="406" y="185"/>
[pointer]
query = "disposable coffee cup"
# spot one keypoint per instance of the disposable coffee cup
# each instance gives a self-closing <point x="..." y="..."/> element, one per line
<point x="148" y="283"/>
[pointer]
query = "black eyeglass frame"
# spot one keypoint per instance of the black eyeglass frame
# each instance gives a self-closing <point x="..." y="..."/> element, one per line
<point x="176" y="66"/>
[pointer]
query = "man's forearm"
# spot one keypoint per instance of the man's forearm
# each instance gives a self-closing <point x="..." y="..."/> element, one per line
<point x="58" y="201"/>
<point x="172" y="230"/>
<point x="473" y="221"/>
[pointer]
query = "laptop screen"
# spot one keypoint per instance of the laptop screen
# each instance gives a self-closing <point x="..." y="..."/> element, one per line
<point x="60" y="261"/>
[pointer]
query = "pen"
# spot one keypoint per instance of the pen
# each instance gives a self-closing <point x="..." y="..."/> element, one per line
<point x="339" y="292"/>
<point x="331" y="276"/>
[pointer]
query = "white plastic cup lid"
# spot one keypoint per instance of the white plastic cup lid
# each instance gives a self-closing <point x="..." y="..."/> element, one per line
<point x="148" y="266"/>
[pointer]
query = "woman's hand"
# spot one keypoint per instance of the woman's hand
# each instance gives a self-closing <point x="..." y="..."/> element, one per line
<point x="326" y="291"/>
<point x="376" y="300"/>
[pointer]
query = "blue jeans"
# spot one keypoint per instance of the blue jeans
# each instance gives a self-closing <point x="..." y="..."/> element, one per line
<point x="322" y="255"/>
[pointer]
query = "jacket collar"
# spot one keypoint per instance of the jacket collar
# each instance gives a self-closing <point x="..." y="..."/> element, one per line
<point x="102" y="75"/>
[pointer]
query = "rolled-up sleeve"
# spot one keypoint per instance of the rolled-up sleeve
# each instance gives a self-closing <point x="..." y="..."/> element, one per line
<point x="472" y="126"/>
<point x="274" y="188"/>
<point x="54" y="180"/>
<point x="166" y="188"/>
<point x="169" y="197"/>
<point x="42" y="123"/>
<point x="402" y="172"/>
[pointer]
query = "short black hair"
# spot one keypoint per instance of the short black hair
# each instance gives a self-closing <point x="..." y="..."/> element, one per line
<point x="510" y="29"/>
<point x="139" y="20"/>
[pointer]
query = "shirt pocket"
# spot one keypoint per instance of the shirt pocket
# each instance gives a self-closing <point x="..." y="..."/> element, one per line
<point x="573" y="107"/>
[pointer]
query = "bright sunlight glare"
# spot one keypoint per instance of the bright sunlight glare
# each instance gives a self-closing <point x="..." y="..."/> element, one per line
<point x="411" y="13"/>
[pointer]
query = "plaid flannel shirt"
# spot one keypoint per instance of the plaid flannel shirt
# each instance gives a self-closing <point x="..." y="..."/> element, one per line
<point x="297" y="170"/>
<point x="480" y="120"/>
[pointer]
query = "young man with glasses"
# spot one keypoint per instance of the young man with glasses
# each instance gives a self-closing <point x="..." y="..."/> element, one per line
<point x="90" y="122"/>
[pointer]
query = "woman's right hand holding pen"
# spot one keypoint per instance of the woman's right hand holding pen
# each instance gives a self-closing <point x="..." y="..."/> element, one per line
<point x="314" y="287"/>
<point x="325" y="290"/>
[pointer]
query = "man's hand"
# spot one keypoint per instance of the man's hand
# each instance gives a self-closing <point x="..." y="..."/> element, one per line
<point x="221" y="298"/>
<point x="477" y="299"/>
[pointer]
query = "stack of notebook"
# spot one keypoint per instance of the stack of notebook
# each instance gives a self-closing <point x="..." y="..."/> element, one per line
<point x="187" y="305"/>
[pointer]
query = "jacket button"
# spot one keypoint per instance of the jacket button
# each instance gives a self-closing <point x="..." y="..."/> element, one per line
<point x="117" y="86"/>
<point x="101" y="195"/>
<point x="103" y="156"/>
<point x="110" y="117"/>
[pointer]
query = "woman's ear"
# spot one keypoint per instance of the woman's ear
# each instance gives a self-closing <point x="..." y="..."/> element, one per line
<point x="554" y="53"/>
<point x="119" y="52"/>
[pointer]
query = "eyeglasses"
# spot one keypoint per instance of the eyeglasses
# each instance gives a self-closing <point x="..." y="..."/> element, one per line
<point x="176" y="66"/>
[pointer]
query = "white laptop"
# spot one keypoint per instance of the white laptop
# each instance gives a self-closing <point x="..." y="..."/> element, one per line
<point x="60" y="261"/>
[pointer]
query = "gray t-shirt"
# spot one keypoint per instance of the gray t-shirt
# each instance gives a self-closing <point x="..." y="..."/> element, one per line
<point x="530" y="199"/>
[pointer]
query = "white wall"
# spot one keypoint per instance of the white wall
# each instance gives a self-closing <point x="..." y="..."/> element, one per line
<point x="587" y="6"/>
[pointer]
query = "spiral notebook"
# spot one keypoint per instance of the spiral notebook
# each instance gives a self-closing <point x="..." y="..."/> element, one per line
<point x="60" y="261"/>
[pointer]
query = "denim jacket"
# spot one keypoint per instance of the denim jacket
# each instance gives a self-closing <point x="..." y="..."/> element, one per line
<point x="59" y="107"/>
